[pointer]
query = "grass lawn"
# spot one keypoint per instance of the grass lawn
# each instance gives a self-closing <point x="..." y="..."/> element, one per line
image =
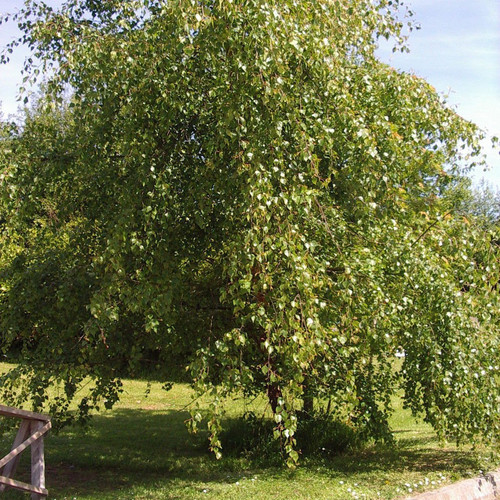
<point x="142" y="450"/>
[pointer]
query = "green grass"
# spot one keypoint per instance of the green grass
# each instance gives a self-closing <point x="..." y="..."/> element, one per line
<point x="141" y="449"/>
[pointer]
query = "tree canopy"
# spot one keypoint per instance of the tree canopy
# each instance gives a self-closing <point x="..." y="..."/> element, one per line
<point x="243" y="186"/>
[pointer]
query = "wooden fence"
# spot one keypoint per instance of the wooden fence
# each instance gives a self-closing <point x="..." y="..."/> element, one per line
<point x="31" y="431"/>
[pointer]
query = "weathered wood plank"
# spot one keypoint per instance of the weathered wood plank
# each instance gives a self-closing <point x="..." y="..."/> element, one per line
<point x="37" y="461"/>
<point x="22" y="434"/>
<point x="29" y="415"/>
<point x="23" y="486"/>
<point x="19" y="449"/>
<point x="30" y="433"/>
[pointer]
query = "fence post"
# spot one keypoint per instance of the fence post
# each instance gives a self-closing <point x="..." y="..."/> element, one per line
<point x="37" y="461"/>
<point x="31" y="431"/>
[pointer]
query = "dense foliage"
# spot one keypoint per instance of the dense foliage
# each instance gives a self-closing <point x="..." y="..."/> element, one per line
<point x="242" y="184"/>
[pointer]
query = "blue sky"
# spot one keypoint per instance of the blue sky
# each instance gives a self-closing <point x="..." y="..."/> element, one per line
<point x="457" y="50"/>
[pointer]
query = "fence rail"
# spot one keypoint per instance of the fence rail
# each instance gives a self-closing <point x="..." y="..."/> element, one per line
<point x="31" y="431"/>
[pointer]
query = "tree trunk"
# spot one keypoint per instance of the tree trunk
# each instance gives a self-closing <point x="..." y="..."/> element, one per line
<point x="273" y="394"/>
<point x="308" y="399"/>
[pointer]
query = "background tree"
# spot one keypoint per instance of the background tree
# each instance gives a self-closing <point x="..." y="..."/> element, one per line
<point x="245" y="184"/>
<point x="482" y="202"/>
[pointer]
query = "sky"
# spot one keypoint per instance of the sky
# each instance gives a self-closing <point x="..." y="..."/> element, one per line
<point x="457" y="50"/>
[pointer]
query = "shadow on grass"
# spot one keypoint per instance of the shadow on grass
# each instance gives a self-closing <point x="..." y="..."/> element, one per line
<point x="143" y="448"/>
